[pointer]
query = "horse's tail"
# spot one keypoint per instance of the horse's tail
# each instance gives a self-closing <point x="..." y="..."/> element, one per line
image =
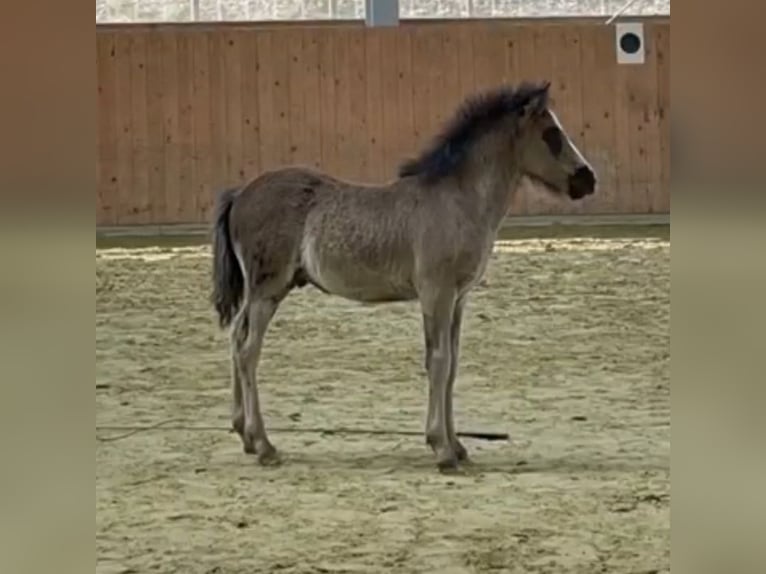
<point x="228" y="281"/>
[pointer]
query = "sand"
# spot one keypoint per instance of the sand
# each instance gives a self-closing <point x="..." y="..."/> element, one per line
<point x="565" y="346"/>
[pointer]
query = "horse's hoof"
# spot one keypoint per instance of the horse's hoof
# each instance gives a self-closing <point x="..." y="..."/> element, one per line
<point x="448" y="466"/>
<point x="269" y="459"/>
<point x="447" y="462"/>
<point x="268" y="455"/>
<point x="248" y="448"/>
<point x="461" y="452"/>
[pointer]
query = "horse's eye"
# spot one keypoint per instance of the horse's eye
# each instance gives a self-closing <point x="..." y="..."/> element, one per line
<point x="554" y="141"/>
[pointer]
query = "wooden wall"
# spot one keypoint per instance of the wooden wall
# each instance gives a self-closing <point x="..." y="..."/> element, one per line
<point x="186" y="110"/>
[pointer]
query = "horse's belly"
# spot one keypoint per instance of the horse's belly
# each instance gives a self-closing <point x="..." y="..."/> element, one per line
<point x="356" y="279"/>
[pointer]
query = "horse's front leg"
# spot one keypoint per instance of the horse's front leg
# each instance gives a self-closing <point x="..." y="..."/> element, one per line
<point x="457" y="320"/>
<point x="438" y="310"/>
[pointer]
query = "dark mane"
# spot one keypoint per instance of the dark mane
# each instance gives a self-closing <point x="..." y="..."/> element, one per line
<point x="475" y="117"/>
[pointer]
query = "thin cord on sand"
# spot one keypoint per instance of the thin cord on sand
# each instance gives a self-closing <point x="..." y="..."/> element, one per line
<point x="179" y="426"/>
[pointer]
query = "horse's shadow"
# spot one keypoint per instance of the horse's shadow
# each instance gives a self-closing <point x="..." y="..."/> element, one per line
<point x="497" y="462"/>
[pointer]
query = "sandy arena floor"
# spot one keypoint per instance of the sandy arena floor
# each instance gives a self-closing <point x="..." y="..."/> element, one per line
<point x="566" y="347"/>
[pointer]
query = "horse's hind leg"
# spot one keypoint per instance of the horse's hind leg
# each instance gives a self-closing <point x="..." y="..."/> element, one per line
<point x="259" y="314"/>
<point x="238" y="335"/>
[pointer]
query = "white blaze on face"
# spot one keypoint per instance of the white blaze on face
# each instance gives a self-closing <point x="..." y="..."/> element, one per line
<point x="581" y="159"/>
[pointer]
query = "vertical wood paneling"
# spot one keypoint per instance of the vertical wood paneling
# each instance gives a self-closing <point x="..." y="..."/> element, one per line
<point x="621" y="125"/>
<point x="269" y="133"/>
<point x="343" y="79"/>
<point x="357" y="140"/>
<point x="218" y="145"/>
<point x="170" y="112"/>
<point x="327" y="100"/>
<point x="311" y="88"/>
<point x="141" y="204"/>
<point x="107" y="191"/>
<point x="661" y="197"/>
<point x="374" y="107"/>
<point x="296" y="114"/>
<point x="389" y="75"/>
<point x="409" y="143"/>
<point x="156" y="127"/>
<point x="280" y="70"/>
<point x="450" y="72"/>
<point x="421" y="103"/>
<point x="232" y="102"/>
<point x="203" y="137"/>
<point x="437" y="98"/>
<point x="644" y="134"/>
<point x="184" y="112"/>
<point x="124" y="125"/>
<point x="251" y="140"/>
<point x="186" y="205"/>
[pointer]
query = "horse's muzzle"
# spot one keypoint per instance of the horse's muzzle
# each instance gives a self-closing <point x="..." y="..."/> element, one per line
<point x="582" y="182"/>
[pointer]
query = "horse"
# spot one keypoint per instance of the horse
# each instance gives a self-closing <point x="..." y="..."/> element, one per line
<point x="424" y="236"/>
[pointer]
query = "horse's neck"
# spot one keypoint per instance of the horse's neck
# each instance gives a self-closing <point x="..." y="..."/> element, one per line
<point x="494" y="184"/>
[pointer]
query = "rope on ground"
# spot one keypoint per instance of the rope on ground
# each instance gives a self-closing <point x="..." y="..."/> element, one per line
<point x="128" y="431"/>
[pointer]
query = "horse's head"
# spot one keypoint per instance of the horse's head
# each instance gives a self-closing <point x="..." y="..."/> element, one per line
<point x="546" y="153"/>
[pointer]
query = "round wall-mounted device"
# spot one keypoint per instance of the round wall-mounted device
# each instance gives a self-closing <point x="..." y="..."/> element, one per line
<point x="630" y="42"/>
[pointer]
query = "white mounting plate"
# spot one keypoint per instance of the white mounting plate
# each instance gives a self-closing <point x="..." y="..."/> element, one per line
<point x="626" y="34"/>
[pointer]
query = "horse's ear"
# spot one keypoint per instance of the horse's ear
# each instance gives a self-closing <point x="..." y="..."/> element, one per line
<point x="537" y="101"/>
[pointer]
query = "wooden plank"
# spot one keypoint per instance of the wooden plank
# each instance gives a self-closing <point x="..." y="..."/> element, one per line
<point x="218" y="129"/>
<point x="251" y="140"/>
<point x="466" y="61"/>
<point x="343" y="79"/>
<point x="142" y="198"/>
<point x="156" y="126"/>
<point x="203" y="144"/>
<point x="234" y="116"/>
<point x="327" y="101"/>
<point x="624" y="101"/>
<point x="186" y="207"/>
<point x="235" y="173"/>
<point x="390" y="101"/>
<point x="644" y="130"/>
<point x="422" y="130"/>
<point x="661" y="198"/>
<point x="513" y="75"/>
<point x="408" y="144"/>
<point x="124" y="123"/>
<point x="269" y="153"/>
<point x="312" y="87"/>
<point x="376" y="165"/>
<point x="434" y="77"/>
<point x="598" y="96"/>
<point x="280" y="93"/>
<point x="484" y="58"/>
<point x="107" y="192"/>
<point x="451" y="89"/>
<point x="358" y="137"/>
<point x="296" y="97"/>
<point x="170" y="113"/>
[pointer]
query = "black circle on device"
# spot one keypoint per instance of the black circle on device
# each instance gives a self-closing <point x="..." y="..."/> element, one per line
<point x="630" y="43"/>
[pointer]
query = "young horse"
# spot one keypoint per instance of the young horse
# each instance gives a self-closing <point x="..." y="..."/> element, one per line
<point x="425" y="236"/>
